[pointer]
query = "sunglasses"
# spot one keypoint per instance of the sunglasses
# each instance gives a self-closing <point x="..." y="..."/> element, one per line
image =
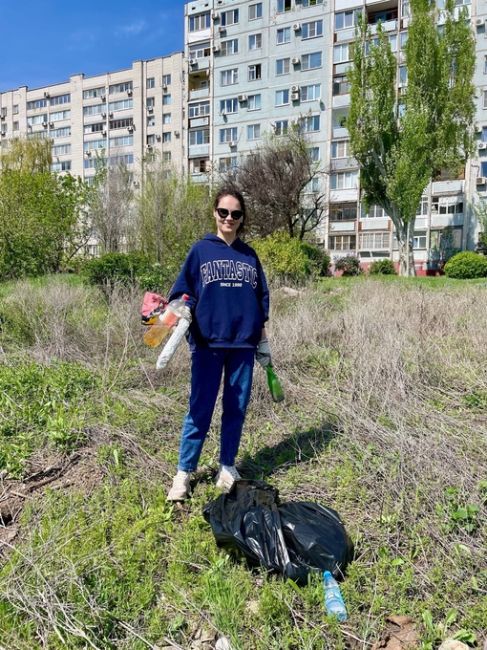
<point x="223" y="213"/>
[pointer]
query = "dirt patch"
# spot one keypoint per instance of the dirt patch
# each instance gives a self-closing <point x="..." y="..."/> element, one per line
<point x="79" y="472"/>
<point x="400" y="634"/>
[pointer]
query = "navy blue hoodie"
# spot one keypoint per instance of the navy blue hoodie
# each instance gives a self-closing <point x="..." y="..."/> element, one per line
<point x="229" y="298"/>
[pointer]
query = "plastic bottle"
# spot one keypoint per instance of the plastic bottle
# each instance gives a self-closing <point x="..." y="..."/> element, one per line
<point x="333" y="597"/>
<point x="156" y="334"/>
<point x="274" y="384"/>
<point x="172" y="343"/>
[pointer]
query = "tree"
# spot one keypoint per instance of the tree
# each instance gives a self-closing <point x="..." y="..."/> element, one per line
<point x="172" y="213"/>
<point x="480" y="210"/>
<point x="402" y="142"/>
<point x="276" y="180"/>
<point x="38" y="211"/>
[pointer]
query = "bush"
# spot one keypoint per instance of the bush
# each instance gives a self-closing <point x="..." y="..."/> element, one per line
<point x="116" y="268"/>
<point x="466" y="265"/>
<point x="288" y="259"/>
<point x="349" y="265"/>
<point x="382" y="267"/>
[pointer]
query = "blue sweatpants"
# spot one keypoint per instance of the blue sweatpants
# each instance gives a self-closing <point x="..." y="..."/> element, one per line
<point x="207" y="367"/>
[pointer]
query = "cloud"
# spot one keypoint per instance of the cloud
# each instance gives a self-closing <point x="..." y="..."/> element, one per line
<point x="131" y="29"/>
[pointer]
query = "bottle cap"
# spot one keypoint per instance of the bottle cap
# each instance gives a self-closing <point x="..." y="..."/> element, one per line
<point x="185" y="297"/>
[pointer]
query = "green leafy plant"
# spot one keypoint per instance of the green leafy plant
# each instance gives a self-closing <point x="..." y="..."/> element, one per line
<point x="382" y="267"/>
<point x="466" y="265"/>
<point x="116" y="268"/>
<point x="349" y="265"/>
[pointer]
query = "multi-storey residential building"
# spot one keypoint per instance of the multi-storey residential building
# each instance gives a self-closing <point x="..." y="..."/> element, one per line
<point x="250" y="68"/>
<point x="256" y="67"/>
<point x="118" y="116"/>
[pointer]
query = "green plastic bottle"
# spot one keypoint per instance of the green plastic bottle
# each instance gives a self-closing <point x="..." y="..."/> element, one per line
<point x="274" y="384"/>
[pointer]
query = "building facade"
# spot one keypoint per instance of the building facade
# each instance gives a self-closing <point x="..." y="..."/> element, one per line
<point x="249" y="69"/>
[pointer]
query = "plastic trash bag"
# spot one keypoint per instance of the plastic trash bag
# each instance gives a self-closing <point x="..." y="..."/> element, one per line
<point x="290" y="538"/>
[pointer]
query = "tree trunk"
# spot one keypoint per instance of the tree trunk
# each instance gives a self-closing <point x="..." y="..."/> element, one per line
<point x="405" y="244"/>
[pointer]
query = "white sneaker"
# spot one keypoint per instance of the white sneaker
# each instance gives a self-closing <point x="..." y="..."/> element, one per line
<point x="180" y="487"/>
<point x="226" y="477"/>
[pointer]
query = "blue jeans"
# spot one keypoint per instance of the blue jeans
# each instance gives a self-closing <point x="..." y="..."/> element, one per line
<point x="207" y="367"/>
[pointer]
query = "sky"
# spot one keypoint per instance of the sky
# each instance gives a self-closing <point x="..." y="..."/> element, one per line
<point x="45" y="42"/>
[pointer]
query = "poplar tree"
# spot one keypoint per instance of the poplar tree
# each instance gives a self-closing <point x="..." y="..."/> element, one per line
<point x="402" y="141"/>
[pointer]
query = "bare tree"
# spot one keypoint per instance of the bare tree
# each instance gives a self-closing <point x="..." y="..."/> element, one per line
<point x="278" y="182"/>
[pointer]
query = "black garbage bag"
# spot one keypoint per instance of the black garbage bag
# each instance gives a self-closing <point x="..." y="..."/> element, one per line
<point x="290" y="538"/>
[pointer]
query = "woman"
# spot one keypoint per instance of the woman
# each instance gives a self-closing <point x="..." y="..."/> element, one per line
<point x="229" y="303"/>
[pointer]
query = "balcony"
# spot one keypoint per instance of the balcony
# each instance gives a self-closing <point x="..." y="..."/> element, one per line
<point x="339" y="164"/>
<point x="344" y="35"/>
<point x="199" y="150"/>
<point x="197" y="65"/>
<point x="342" y="226"/>
<point x="199" y="121"/>
<point x="387" y="26"/>
<point x="340" y="132"/>
<point x="341" y="100"/>
<point x="200" y="93"/>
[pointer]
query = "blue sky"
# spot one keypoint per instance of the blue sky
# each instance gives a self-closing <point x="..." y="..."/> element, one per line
<point x="45" y="42"/>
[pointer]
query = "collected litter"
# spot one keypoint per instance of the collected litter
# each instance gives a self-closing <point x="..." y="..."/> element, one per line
<point x="166" y="320"/>
<point x="294" y="539"/>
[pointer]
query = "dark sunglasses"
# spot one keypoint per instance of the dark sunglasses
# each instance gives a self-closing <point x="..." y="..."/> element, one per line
<point x="223" y="213"/>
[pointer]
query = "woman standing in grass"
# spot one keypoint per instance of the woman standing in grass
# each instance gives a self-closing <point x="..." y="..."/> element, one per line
<point x="229" y="303"/>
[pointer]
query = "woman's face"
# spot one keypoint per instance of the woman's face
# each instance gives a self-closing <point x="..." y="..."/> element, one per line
<point x="228" y="216"/>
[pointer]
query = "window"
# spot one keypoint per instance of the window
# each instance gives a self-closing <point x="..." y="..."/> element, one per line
<point x="94" y="92"/>
<point x="255" y="11"/>
<point x="151" y="139"/>
<point x="166" y="156"/>
<point x="283" y="5"/>
<point x="281" y="127"/>
<point x="199" y="136"/>
<point x="229" y="77"/>
<point x="93" y="145"/>
<point x="61" y="149"/>
<point x="166" y="118"/>
<point x="151" y="120"/>
<point x="341" y="53"/>
<point x="343" y="212"/>
<point x="63" y="132"/>
<point x="282" y="97"/>
<point x="122" y="123"/>
<point x="36" y="103"/>
<point x="254" y="102"/>
<point x="255" y="71"/>
<point x="375" y="241"/>
<point x="150" y="102"/>
<point x="16" y="126"/>
<point x="166" y="99"/>
<point x="448" y="205"/>
<point x="374" y="212"/>
<point x="342" y="242"/>
<point x="120" y="88"/>
<point x="282" y="66"/>
<point x="419" y="240"/>
<point x="198" y="110"/>
<point x="199" y="22"/>
<point x="37" y="119"/>
<point x="60" y="99"/>
<point x="403" y="39"/>
<point x="227" y="164"/>
<point x="310" y="123"/>
<point x="166" y="79"/>
<point x="423" y="207"/>
<point x="199" y="51"/>
<point x="63" y="166"/>
<point x="122" y="105"/>
<point x="311" y="61"/>
<point x="229" y="106"/>
<point x="283" y="35"/>
<point x="228" y="135"/>
<point x="312" y="29"/>
<point x="15" y="109"/>
<point x="347" y="19"/>
<point x="403" y="75"/>
<point x="92" y="128"/>
<point x="255" y="41"/>
<point x="344" y="180"/>
<point x="314" y="154"/>
<point x="484" y="94"/>
<point x="253" y="131"/>
<point x="229" y="17"/>
<point x="166" y="137"/>
<point x="309" y="93"/>
<point x="229" y="47"/>
<point x="60" y="115"/>
<point x="341" y="85"/>
<point x="311" y="3"/>
<point x="96" y="109"/>
<point x="122" y="141"/>
<point x="150" y="83"/>
<point x="339" y="149"/>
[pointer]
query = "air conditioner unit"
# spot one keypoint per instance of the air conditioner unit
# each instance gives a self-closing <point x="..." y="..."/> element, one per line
<point x="44" y="124"/>
<point x="295" y="60"/>
<point x="215" y="15"/>
<point x="481" y="180"/>
<point x="130" y="92"/>
<point x="479" y="21"/>
<point x="130" y="128"/>
<point x="46" y="95"/>
<point x="242" y="98"/>
<point x="482" y="145"/>
<point x="296" y="27"/>
<point x="223" y="112"/>
<point x="87" y="154"/>
<point x="149" y="147"/>
<point x="2" y="117"/>
<point x="51" y="125"/>
<point x="150" y="109"/>
<point x="216" y="49"/>
<point x="193" y="62"/>
<point x="110" y="115"/>
<point x="103" y="98"/>
<point x="295" y="89"/>
<point x="3" y="133"/>
<point x="232" y="144"/>
<point x="222" y="29"/>
<point x="158" y="138"/>
<point x="164" y="87"/>
<point x="104" y="132"/>
<point x="294" y="97"/>
<point x="177" y="134"/>
<point x="103" y="115"/>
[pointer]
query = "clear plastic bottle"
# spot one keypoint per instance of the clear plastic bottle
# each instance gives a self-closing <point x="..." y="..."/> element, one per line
<point x="333" y="597"/>
<point x="274" y="384"/>
<point x="156" y="334"/>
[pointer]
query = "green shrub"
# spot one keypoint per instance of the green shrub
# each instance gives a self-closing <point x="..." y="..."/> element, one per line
<point x="349" y="265"/>
<point x="288" y="259"/>
<point x="466" y="265"/>
<point x="382" y="267"/>
<point x="116" y="268"/>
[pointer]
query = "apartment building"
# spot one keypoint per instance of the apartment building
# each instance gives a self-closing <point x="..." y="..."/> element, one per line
<point x="116" y="117"/>
<point x="257" y="67"/>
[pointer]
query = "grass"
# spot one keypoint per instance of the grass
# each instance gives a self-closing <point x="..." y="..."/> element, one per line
<point x="384" y="420"/>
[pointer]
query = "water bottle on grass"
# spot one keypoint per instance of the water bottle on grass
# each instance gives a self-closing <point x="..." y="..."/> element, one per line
<point x="333" y="597"/>
<point x="156" y="334"/>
